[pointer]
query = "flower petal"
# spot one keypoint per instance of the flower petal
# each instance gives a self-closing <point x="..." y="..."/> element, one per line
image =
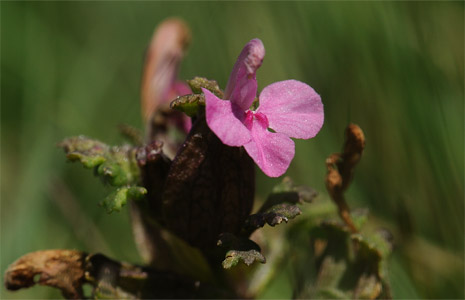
<point x="242" y="85"/>
<point x="222" y="120"/>
<point x="272" y="152"/>
<point x="293" y="108"/>
<point x="181" y="88"/>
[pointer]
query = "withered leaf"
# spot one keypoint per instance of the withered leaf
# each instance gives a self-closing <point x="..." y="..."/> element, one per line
<point x="340" y="167"/>
<point x="68" y="270"/>
<point x="63" y="269"/>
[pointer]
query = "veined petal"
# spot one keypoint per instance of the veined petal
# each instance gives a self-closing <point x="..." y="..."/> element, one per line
<point x="272" y="152"/>
<point x="223" y="122"/>
<point x="293" y="108"/>
<point x="242" y="84"/>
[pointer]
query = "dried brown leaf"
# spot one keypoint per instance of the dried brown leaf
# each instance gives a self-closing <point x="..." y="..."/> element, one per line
<point x="340" y="170"/>
<point x="63" y="269"/>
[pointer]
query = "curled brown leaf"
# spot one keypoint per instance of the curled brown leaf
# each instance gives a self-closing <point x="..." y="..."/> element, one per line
<point x="63" y="269"/>
<point x="340" y="167"/>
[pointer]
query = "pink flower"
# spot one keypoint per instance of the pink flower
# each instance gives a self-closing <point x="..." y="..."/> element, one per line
<point x="289" y="108"/>
<point x="159" y="83"/>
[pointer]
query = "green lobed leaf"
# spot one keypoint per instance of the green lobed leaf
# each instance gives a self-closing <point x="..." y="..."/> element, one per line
<point x="240" y="249"/>
<point x="117" y="199"/>
<point x="280" y="206"/>
<point x="233" y="257"/>
<point x="349" y="264"/>
<point x="197" y="83"/>
<point x="273" y="216"/>
<point x="89" y="152"/>
<point x="189" y="104"/>
<point x="116" y="165"/>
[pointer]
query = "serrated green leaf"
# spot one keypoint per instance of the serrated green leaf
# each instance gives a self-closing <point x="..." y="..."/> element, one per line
<point x="273" y="216"/>
<point x="86" y="160"/>
<point x="280" y="206"/>
<point x="351" y="264"/>
<point x="116" y="165"/>
<point x="288" y="192"/>
<point x="197" y="83"/>
<point x="136" y="193"/>
<point x="112" y="173"/>
<point x="117" y="199"/>
<point x="189" y="104"/>
<point x="240" y="249"/>
<point x="233" y="257"/>
<point x="89" y="152"/>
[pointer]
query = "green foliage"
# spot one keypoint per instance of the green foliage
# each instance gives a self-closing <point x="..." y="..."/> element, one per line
<point x="280" y="206"/>
<point x="396" y="68"/>
<point x="197" y="83"/>
<point x="91" y="153"/>
<point x="117" y="166"/>
<point x="117" y="199"/>
<point x="239" y="249"/>
<point x="349" y="265"/>
<point x="190" y="104"/>
<point x="273" y="216"/>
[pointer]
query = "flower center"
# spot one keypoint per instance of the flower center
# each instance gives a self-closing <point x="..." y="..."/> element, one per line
<point x="250" y="115"/>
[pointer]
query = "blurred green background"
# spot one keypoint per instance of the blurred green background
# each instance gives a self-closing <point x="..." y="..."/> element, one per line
<point x="394" y="68"/>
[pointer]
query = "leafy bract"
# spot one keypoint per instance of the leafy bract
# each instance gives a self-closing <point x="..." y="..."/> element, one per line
<point x="117" y="199"/>
<point x="190" y="104"/>
<point x="280" y="206"/>
<point x="197" y="83"/>
<point x="117" y="166"/>
<point x="239" y="249"/>
<point x="349" y="265"/>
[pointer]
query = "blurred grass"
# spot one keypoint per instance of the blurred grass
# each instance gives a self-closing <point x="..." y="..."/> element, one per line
<point x="394" y="68"/>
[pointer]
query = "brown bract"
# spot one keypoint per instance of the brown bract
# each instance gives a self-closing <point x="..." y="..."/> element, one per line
<point x="341" y="167"/>
<point x="62" y="269"/>
<point x="209" y="189"/>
